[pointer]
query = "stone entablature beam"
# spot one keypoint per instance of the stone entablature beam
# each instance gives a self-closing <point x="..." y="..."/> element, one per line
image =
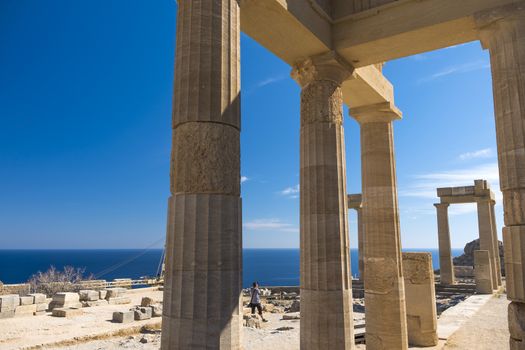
<point x="293" y="31"/>
<point x="405" y="28"/>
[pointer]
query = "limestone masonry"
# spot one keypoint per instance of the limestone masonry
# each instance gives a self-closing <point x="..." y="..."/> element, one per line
<point x="336" y="50"/>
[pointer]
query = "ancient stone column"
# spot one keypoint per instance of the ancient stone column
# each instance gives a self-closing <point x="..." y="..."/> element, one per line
<point x="486" y="237"/>
<point x="385" y="312"/>
<point x="446" y="267"/>
<point x="420" y="299"/>
<point x="360" y="243"/>
<point x="502" y="32"/>
<point x="495" y="241"/>
<point x="483" y="272"/>
<point x="204" y="240"/>
<point x="326" y="290"/>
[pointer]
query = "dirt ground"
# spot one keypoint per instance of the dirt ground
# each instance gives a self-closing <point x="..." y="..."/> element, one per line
<point x="486" y="328"/>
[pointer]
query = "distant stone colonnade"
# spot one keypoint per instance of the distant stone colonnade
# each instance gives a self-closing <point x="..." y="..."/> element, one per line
<point x="336" y="49"/>
<point x="482" y="195"/>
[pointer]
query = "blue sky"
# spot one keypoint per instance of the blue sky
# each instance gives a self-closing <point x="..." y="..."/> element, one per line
<point x="85" y="112"/>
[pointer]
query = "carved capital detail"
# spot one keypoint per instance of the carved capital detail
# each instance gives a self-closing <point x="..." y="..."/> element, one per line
<point x="329" y="66"/>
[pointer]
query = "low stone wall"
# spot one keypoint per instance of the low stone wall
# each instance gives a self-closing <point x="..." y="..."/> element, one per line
<point x="21" y="289"/>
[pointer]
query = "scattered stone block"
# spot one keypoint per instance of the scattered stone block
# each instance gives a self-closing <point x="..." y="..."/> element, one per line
<point x="39" y="313"/>
<point x="123" y="317"/>
<point x="38" y="298"/>
<point x="25" y="310"/>
<point x="41" y="307"/>
<point x="9" y="302"/>
<point x="66" y="297"/>
<point x="94" y="303"/>
<point x="146" y="301"/>
<point x="7" y="314"/>
<point x="66" y="312"/>
<point x="119" y="301"/>
<point x="252" y="321"/>
<point x="156" y="311"/>
<point x="115" y="292"/>
<point x="292" y="316"/>
<point x="102" y="294"/>
<point x="88" y="295"/>
<point x="65" y="300"/>
<point x="142" y="313"/>
<point x="27" y="300"/>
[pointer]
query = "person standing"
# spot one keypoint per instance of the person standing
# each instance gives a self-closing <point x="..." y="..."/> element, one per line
<point x="255" y="300"/>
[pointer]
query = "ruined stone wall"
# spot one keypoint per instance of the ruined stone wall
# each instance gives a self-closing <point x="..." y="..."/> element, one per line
<point x="21" y="289"/>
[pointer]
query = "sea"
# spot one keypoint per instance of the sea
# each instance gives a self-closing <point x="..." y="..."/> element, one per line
<point x="270" y="267"/>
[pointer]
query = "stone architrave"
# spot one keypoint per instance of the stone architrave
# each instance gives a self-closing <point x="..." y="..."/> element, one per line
<point x="483" y="272"/>
<point x="502" y="32"/>
<point x="446" y="268"/>
<point x="326" y="287"/>
<point x="385" y="312"/>
<point x="420" y="299"/>
<point x="204" y="239"/>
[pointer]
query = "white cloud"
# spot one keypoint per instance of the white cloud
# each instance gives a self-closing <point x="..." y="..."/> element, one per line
<point x="482" y="153"/>
<point x="291" y="192"/>
<point x="265" y="82"/>
<point x="270" y="224"/>
<point x="244" y="179"/>
<point x="425" y="185"/>
<point x="458" y="69"/>
<point x="270" y="80"/>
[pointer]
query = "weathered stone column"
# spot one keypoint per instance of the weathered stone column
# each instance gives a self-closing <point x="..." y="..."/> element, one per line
<point x="420" y="299"/>
<point x="502" y="31"/>
<point x="486" y="237"/>
<point x="495" y="241"/>
<point x="360" y="243"/>
<point x="326" y="286"/>
<point x="385" y="312"/>
<point x="483" y="272"/>
<point x="446" y="267"/>
<point x="203" y="277"/>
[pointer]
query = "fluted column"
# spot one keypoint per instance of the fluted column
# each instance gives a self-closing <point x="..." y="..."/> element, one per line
<point x="203" y="277"/>
<point x="446" y="267"/>
<point x="385" y="312"/>
<point x="502" y="32"/>
<point x="326" y="290"/>
<point x="486" y="236"/>
<point x="495" y="242"/>
<point x="361" y="243"/>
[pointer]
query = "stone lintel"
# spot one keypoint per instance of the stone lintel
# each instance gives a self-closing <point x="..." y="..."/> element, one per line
<point x="467" y="194"/>
<point x="355" y="201"/>
<point x="379" y="112"/>
<point x="327" y="66"/>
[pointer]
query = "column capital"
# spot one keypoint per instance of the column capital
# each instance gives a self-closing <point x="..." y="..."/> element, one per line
<point x="328" y="66"/>
<point x="498" y="20"/>
<point x="441" y="205"/>
<point x="379" y="112"/>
